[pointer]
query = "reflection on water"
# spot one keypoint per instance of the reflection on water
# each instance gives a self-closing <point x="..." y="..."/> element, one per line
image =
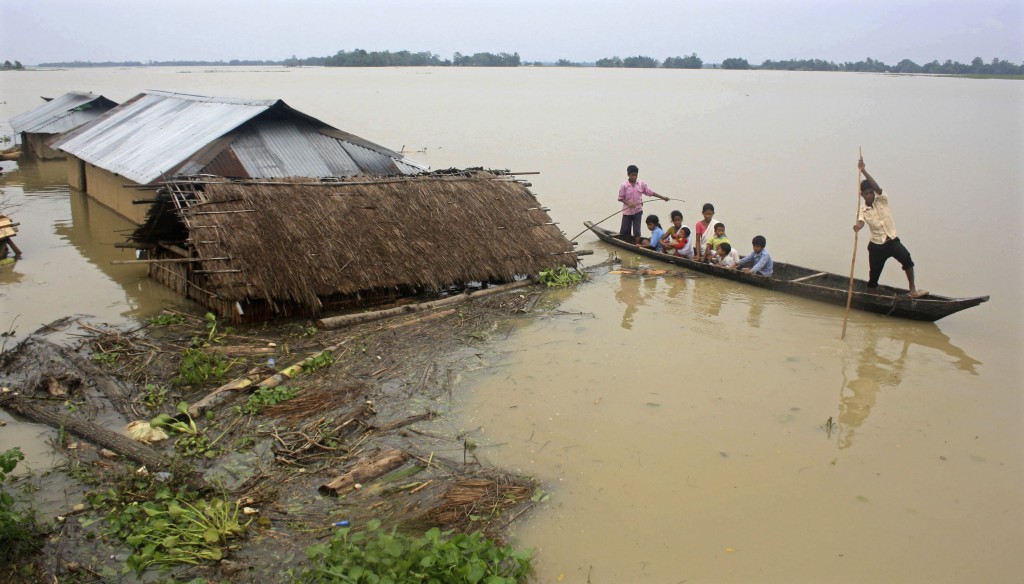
<point x="69" y="241"/>
<point x="882" y="353"/>
<point x="628" y="293"/>
<point x="38" y="178"/>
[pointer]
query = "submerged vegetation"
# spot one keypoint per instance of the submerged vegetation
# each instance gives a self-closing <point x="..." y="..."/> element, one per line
<point x="166" y="521"/>
<point x="19" y="535"/>
<point x="376" y="555"/>
<point x="561" y="277"/>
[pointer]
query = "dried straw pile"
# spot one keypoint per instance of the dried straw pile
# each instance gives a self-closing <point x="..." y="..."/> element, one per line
<point x="298" y="241"/>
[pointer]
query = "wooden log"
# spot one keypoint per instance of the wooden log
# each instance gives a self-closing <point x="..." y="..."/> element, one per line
<point x="366" y="469"/>
<point x="434" y="316"/>
<point x="123" y="445"/>
<point x="352" y="319"/>
<point x="405" y="422"/>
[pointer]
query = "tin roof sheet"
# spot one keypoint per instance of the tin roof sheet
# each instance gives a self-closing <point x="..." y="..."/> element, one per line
<point x="157" y="134"/>
<point x="62" y="114"/>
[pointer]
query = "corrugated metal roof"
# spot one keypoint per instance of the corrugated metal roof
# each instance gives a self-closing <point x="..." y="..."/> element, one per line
<point x="62" y="114"/>
<point x="158" y="133"/>
<point x="154" y="132"/>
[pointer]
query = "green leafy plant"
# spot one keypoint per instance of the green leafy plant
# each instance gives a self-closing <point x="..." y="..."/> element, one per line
<point x="199" y="364"/>
<point x="154" y="395"/>
<point x="375" y="555"/>
<point x="172" y="526"/>
<point x="320" y="361"/>
<point x="106" y="357"/>
<point x="166" y="319"/>
<point x="192" y="442"/>
<point x="267" y="396"/>
<point x="18" y="532"/>
<point x="561" y="277"/>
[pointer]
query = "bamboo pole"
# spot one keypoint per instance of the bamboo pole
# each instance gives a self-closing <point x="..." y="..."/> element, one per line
<point x="853" y="261"/>
<point x="596" y="224"/>
<point x="359" y="318"/>
<point x="252" y="377"/>
<point x="167" y="261"/>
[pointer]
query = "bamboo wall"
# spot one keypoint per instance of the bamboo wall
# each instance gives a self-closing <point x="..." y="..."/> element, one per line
<point x="177" y="278"/>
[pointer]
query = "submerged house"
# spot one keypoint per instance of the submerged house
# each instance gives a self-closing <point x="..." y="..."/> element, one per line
<point x="33" y="129"/>
<point x="156" y="135"/>
<point x="256" y="249"/>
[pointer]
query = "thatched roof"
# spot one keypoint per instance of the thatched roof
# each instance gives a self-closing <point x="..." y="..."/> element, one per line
<point x="298" y="241"/>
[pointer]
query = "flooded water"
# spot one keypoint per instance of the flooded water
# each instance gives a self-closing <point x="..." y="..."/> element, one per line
<point x="681" y="424"/>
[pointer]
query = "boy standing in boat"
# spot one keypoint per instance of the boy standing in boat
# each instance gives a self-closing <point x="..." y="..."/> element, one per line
<point x="884" y="244"/>
<point x="631" y="194"/>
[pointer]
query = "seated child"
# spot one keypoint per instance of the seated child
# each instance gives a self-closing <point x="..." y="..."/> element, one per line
<point x="681" y="244"/>
<point x="725" y="255"/>
<point x="759" y="262"/>
<point x="718" y="239"/>
<point x="667" y="241"/>
<point x="657" y="233"/>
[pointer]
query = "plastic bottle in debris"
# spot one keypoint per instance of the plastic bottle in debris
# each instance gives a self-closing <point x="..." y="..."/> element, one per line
<point x="271" y="363"/>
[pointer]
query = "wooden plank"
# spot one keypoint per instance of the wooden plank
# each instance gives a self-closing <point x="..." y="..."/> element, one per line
<point x="811" y="277"/>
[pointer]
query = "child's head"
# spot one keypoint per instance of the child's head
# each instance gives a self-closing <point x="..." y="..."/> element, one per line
<point x="677" y="218"/>
<point x="708" y="211"/>
<point x="653" y="222"/>
<point x="686" y="232"/>
<point x="759" y="242"/>
<point x="720" y="230"/>
<point x="723" y="249"/>
<point x="632" y="171"/>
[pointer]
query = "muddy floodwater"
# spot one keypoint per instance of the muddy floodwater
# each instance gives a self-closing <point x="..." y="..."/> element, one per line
<point x="684" y="428"/>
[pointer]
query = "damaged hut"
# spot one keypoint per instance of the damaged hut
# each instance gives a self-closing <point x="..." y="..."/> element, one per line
<point x="257" y="249"/>
<point x="156" y="135"/>
<point x="34" y="129"/>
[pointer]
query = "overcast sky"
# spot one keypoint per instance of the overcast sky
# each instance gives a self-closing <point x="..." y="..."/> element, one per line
<point x="37" y="31"/>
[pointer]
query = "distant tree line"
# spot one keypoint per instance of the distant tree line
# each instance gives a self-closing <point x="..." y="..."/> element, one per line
<point x="362" y="58"/>
<point x="976" y="67"/>
<point x="8" y="66"/>
<point x="231" y="63"/>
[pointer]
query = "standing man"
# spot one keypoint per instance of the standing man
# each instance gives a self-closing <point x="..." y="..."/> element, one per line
<point x="884" y="243"/>
<point x="631" y="193"/>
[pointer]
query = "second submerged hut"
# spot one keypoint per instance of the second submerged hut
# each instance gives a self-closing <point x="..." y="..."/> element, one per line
<point x="35" y="128"/>
<point x="254" y="250"/>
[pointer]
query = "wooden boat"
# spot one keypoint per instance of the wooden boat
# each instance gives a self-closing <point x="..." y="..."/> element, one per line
<point x="816" y="285"/>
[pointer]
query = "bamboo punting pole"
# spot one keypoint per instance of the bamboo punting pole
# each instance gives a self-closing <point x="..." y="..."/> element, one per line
<point x="853" y="261"/>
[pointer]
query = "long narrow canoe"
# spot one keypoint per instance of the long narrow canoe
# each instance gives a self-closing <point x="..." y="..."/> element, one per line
<point x="816" y="285"/>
